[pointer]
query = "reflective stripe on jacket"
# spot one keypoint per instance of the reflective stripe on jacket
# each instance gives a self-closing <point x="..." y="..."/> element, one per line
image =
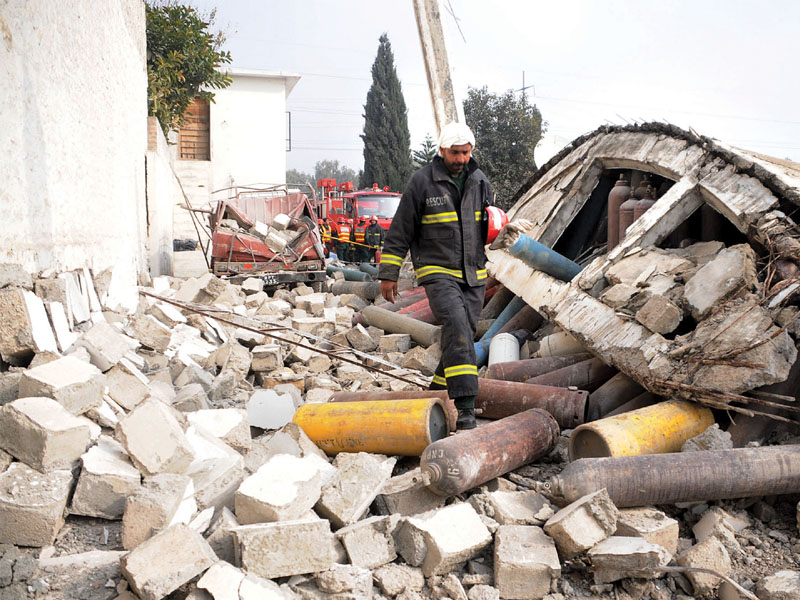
<point x="443" y="232"/>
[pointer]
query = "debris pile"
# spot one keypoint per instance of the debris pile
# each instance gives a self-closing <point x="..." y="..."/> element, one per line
<point x="165" y="439"/>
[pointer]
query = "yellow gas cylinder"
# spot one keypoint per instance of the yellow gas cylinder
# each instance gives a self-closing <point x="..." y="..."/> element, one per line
<point x="656" y="429"/>
<point x="397" y="427"/>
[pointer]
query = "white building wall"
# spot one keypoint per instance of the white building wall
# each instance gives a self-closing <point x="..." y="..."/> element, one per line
<point x="163" y="193"/>
<point x="73" y="133"/>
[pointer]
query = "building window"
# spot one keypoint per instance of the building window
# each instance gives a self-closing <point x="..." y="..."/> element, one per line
<point x="193" y="137"/>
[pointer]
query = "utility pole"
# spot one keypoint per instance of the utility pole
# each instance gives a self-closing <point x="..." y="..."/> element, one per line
<point x="437" y="68"/>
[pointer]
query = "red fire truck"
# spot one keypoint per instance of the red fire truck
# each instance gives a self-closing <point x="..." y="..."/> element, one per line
<point x="344" y="203"/>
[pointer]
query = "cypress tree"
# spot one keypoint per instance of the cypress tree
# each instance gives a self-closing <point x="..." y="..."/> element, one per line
<point x="387" y="142"/>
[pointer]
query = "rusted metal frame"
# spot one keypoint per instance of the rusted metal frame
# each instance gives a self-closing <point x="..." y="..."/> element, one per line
<point x="267" y="332"/>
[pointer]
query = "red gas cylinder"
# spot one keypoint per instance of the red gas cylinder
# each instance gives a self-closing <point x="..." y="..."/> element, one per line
<point x="618" y="194"/>
<point x="626" y="216"/>
<point x="644" y="204"/>
<point x="641" y="189"/>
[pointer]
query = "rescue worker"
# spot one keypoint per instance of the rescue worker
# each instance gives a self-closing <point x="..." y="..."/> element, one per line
<point x="325" y="234"/>
<point x="343" y="245"/>
<point x="359" y="237"/>
<point x="374" y="235"/>
<point x="440" y="220"/>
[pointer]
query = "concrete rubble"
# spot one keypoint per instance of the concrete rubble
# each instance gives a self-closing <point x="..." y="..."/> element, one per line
<point x="153" y="455"/>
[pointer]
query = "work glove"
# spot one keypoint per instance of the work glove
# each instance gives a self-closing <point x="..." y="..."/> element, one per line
<point x="510" y="233"/>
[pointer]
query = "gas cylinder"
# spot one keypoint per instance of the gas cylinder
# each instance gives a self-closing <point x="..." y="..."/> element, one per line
<point x="641" y="189"/>
<point x="644" y="204"/>
<point x="470" y="458"/>
<point x="626" y="216"/>
<point x="618" y="194"/>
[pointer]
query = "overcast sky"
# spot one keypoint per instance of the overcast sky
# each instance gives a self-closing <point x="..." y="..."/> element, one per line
<point x="724" y="68"/>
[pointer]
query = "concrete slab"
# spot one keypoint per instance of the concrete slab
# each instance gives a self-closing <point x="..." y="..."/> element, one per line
<point x="525" y="562"/>
<point x="75" y="384"/>
<point x="106" y="481"/>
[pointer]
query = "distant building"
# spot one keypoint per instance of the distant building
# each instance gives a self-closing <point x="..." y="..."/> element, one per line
<point x="239" y="139"/>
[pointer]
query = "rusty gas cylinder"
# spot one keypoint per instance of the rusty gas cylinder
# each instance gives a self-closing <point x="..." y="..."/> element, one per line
<point x="618" y="194"/>
<point x="641" y="189"/>
<point x="470" y="458"/>
<point x="626" y="216"/>
<point x="643" y="205"/>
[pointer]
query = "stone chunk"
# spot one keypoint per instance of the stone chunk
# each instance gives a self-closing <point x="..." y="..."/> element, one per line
<point x="346" y="581"/>
<point x="358" y="480"/>
<point x="150" y="332"/>
<point x="394" y="579"/>
<point x="712" y="438"/>
<point x="24" y="326"/>
<point x="406" y="495"/>
<point x="395" y="342"/>
<point x="284" y="489"/>
<point x="191" y="398"/>
<point x="370" y="543"/>
<point x="228" y="424"/>
<point x="708" y="554"/>
<point x="267" y="357"/>
<point x="782" y="585"/>
<point x="76" y="385"/>
<point x="314" y="325"/>
<point x="42" y="433"/>
<point x="32" y="505"/>
<point x="360" y="339"/>
<point x="106" y="345"/>
<point x="269" y="410"/>
<point x="514" y="508"/>
<point x="166" y="561"/>
<point x="619" y="557"/>
<point x="660" y="315"/>
<point x="13" y="275"/>
<point x="217" y="470"/>
<point x="219" y="535"/>
<point x="154" y="439"/>
<point x="152" y="507"/>
<point x="649" y="524"/>
<point x="422" y="359"/>
<point x="441" y="539"/>
<point x="287" y="548"/>
<point x="290" y="439"/>
<point x="582" y="524"/>
<point x="732" y="269"/>
<point x="525" y="562"/>
<point x="107" y="479"/>
<point x="126" y="389"/>
<point x="168" y="314"/>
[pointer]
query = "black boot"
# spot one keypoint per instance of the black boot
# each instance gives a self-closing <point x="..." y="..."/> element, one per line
<point x="466" y="419"/>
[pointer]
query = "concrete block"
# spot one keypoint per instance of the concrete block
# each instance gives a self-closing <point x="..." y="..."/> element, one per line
<point x="359" y="477"/>
<point x="660" y="315"/>
<point x="394" y="579"/>
<point x="781" y="585"/>
<point x="228" y="424"/>
<point x="267" y="358"/>
<point x="9" y="386"/>
<point x="58" y="317"/>
<point x="32" y="505"/>
<point x="150" y="332"/>
<point x="223" y="386"/>
<point x="346" y="582"/>
<point x="525" y="562"/>
<point x="168" y="314"/>
<point x="78" y="304"/>
<point x="254" y="301"/>
<point x="715" y="523"/>
<point x="76" y="385"/>
<point x="406" y="495"/>
<point x="68" y="573"/>
<point x="649" y="524"/>
<point x="269" y="410"/>
<point x="619" y="557"/>
<point x="254" y="587"/>
<point x="514" y="508"/>
<point x="234" y="357"/>
<point x="359" y="338"/>
<point x="154" y="439"/>
<point x="106" y="481"/>
<point x="283" y="489"/>
<point x="5" y="460"/>
<point x="483" y="592"/>
<point x="275" y="308"/>
<point x="222" y="581"/>
<point x="166" y="561"/>
<point x="370" y="542"/>
<point x="441" y="539"/>
<point x="319" y="363"/>
<point x="191" y="398"/>
<point x="13" y="275"/>
<point x="152" y="507"/>
<point x="708" y="554"/>
<point x="318" y="396"/>
<point x="217" y="470"/>
<point x="42" y="433"/>
<point x="290" y="439"/>
<point x="348" y="374"/>
<point x="24" y="326"/>
<point x="125" y="389"/>
<point x="712" y="438"/>
<point x="106" y="345"/>
<point x="582" y="524"/>
<point x="395" y="342"/>
<point x="729" y="271"/>
<point x="286" y="548"/>
<point x="219" y="535"/>
<point x="314" y="325"/>
<point x="423" y="359"/>
<point x="194" y="374"/>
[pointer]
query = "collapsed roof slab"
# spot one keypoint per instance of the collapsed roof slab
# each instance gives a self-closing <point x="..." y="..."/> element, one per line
<point x="751" y="192"/>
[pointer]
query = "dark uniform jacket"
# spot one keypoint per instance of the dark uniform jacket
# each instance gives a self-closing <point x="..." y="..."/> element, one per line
<point x="374" y="235"/>
<point x="444" y="233"/>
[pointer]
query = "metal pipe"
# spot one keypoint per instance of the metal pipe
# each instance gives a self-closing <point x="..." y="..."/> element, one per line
<point x="542" y="258"/>
<point x="402" y="427"/>
<point x="700" y="476"/>
<point x="424" y="334"/>
<point x="368" y="290"/>
<point x="482" y="352"/>
<point x="586" y="375"/>
<point x="641" y="401"/>
<point x="657" y="429"/>
<point x="513" y="307"/>
<point x="612" y="394"/>
<point x="527" y="318"/>
<point x="461" y="462"/>
<point x="501" y="298"/>
<point x="522" y="370"/>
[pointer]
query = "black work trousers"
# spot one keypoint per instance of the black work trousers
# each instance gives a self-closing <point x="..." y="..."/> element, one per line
<point x="457" y="307"/>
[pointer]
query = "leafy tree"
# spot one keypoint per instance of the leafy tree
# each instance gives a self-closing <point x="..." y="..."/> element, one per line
<point x="387" y="151"/>
<point x="426" y="152"/>
<point x="332" y="169"/>
<point x="295" y="176"/>
<point x="507" y="129"/>
<point x="182" y="56"/>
